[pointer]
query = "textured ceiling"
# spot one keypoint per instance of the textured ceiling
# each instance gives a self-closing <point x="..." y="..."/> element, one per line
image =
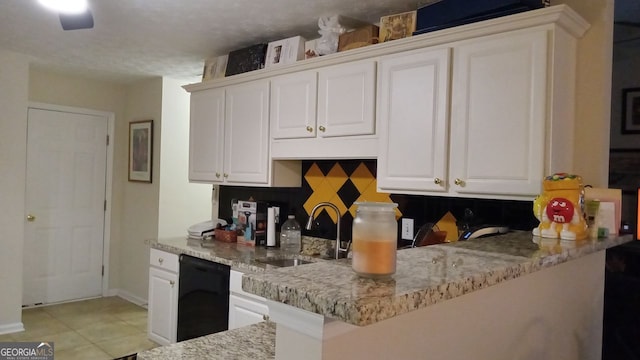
<point x="134" y="39"/>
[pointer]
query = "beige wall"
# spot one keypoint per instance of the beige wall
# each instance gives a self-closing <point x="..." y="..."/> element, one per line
<point x="139" y="221"/>
<point x="14" y="79"/>
<point x="593" y="96"/>
<point x="181" y="203"/>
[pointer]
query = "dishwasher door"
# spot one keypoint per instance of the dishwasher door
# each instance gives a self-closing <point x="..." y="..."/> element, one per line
<point x="203" y="300"/>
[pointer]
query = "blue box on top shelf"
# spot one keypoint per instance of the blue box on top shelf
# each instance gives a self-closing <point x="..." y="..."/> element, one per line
<point x="449" y="13"/>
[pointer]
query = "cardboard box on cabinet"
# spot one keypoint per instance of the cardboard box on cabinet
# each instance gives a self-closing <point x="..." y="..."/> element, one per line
<point x="363" y="36"/>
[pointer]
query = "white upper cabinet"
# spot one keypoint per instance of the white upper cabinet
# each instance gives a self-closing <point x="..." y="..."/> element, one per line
<point x="481" y="110"/>
<point x="246" y="133"/>
<point x="413" y="121"/>
<point x="229" y="138"/>
<point x="293" y="105"/>
<point x="206" y="136"/>
<point x="498" y="114"/>
<point x="346" y="99"/>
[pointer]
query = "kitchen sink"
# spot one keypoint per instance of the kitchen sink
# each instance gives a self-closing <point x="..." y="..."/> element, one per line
<point x="278" y="262"/>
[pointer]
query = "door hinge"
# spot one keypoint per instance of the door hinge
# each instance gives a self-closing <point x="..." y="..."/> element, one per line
<point x="102" y="270"/>
<point x="107" y="140"/>
<point x="105" y="205"/>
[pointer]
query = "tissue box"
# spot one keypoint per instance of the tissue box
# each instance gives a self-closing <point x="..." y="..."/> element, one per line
<point x="247" y="59"/>
<point x="285" y="51"/>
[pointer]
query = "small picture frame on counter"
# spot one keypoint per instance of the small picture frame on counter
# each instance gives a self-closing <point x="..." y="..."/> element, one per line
<point x="631" y="111"/>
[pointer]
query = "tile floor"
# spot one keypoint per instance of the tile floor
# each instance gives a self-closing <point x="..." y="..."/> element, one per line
<point x="104" y="328"/>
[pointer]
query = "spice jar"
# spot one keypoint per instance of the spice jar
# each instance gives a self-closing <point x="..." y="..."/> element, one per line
<point x="375" y="236"/>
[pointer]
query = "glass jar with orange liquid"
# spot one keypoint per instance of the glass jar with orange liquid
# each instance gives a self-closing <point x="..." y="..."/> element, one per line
<point x="375" y="237"/>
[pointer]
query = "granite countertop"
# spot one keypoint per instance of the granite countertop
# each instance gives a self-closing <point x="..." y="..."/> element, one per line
<point x="424" y="276"/>
<point x="250" y="342"/>
<point x="238" y="256"/>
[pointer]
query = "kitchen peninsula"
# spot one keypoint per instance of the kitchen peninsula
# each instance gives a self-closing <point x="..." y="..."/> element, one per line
<point x="506" y="297"/>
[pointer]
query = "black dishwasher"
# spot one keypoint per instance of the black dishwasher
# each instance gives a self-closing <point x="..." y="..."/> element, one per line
<point x="203" y="300"/>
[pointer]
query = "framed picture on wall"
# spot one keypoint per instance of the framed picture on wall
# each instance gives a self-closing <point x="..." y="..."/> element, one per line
<point x="631" y="111"/>
<point x="140" y="150"/>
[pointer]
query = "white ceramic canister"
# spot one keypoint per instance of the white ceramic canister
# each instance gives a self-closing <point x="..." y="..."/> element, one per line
<point x="375" y="237"/>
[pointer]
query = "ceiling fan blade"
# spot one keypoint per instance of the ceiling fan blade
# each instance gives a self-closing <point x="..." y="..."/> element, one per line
<point x="77" y="21"/>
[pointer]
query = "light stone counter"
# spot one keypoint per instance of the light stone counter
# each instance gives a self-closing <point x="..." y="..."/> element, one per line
<point x="250" y="342"/>
<point x="424" y="276"/>
<point x="241" y="257"/>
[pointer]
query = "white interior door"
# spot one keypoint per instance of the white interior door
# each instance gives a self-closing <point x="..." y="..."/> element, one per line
<point x="64" y="232"/>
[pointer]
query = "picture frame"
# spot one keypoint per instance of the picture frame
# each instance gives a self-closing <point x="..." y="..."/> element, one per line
<point x="141" y="151"/>
<point x="285" y="51"/>
<point x="397" y="26"/>
<point x="214" y="68"/>
<point x="624" y="170"/>
<point x="631" y="110"/>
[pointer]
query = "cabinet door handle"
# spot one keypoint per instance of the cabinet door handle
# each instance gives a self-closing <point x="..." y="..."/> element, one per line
<point x="160" y="261"/>
<point x="265" y="317"/>
<point x="31" y="218"/>
<point x="218" y="175"/>
<point x="309" y="129"/>
<point x="458" y="182"/>
<point x="437" y="181"/>
<point x="171" y="282"/>
<point x="322" y="128"/>
<point x="225" y="175"/>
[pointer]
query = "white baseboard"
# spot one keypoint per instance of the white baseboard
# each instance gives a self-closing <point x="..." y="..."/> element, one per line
<point x="128" y="296"/>
<point x="11" y="328"/>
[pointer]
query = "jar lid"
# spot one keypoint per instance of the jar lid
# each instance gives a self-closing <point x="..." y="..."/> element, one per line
<point x="375" y="206"/>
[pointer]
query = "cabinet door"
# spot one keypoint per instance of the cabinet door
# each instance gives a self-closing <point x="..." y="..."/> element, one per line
<point x="498" y="113"/>
<point x="413" y="117"/>
<point x="206" y="135"/>
<point x="246" y="157"/>
<point x="243" y="311"/>
<point x="293" y="105"/>
<point x="346" y="99"/>
<point x="163" y="306"/>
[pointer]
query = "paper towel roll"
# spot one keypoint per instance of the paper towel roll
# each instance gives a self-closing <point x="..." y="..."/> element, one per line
<point x="271" y="227"/>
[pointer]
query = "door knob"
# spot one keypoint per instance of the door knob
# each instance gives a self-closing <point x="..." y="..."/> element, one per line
<point x="437" y="181"/>
<point x="322" y="128"/>
<point x="226" y="175"/>
<point x="309" y="129"/>
<point x="458" y="182"/>
<point x="31" y="217"/>
<point x="218" y="175"/>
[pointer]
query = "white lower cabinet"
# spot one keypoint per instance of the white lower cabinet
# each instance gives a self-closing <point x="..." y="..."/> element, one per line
<point x="244" y="308"/>
<point x="163" y="297"/>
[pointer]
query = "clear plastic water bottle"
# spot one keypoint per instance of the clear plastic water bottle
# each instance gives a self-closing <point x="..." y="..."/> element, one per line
<point x="290" y="235"/>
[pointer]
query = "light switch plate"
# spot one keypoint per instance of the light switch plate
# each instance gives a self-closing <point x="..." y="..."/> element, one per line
<point x="407" y="229"/>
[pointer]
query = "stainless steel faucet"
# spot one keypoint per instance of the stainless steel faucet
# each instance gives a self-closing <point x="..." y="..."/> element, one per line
<point x="310" y="224"/>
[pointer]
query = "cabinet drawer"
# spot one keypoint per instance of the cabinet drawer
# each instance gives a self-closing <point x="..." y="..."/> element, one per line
<point x="164" y="260"/>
